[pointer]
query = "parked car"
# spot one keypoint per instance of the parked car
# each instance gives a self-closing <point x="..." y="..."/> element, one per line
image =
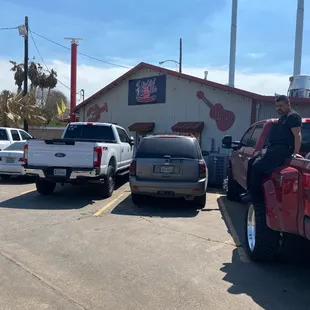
<point x="91" y="153"/>
<point x="169" y="165"/>
<point x="286" y="208"/>
<point x="11" y="135"/>
<point x="11" y="160"/>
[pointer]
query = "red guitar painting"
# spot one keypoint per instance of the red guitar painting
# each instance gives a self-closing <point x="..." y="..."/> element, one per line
<point x="224" y="119"/>
<point x="94" y="112"/>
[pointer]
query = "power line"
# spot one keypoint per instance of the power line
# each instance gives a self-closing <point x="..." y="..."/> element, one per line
<point x="85" y="55"/>
<point x="9" y="28"/>
<point x="36" y="47"/>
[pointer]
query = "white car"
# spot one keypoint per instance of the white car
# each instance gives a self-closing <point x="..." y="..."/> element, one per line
<point x="11" y="135"/>
<point x="11" y="160"/>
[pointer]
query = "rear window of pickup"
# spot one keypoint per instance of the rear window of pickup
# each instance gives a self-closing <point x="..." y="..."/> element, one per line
<point x="89" y="132"/>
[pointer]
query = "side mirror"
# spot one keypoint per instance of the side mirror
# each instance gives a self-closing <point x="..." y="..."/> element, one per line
<point x="132" y="140"/>
<point x="205" y="153"/>
<point x="227" y="142"/>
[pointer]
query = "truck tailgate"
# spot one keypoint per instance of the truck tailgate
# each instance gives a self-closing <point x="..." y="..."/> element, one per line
<point x="60" y="153"/>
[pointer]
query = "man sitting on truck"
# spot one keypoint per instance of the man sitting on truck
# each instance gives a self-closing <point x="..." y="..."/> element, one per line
<point x="284" y="141"/>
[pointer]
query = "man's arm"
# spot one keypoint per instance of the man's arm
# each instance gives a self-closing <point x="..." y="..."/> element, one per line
<point x="294" y="123"/>
<point x="297" y="136"/>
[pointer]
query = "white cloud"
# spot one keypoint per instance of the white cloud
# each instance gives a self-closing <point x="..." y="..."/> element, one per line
<point x="92" y="78"/>
<point x="256" y="55"/>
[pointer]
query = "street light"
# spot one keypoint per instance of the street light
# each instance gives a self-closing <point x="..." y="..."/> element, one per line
<point x="162" y="62"/>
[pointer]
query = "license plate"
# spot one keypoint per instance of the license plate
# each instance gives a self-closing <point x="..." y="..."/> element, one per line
<point x="166" y="169"/>
<point x="10" y="160"/>
<point x="60" y="172"/>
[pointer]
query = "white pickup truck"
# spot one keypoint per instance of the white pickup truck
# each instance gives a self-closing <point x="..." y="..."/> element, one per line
<point x="10" y="135"/>
<point x="87" y="153"/>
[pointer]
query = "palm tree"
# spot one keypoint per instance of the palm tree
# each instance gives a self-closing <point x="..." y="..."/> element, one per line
<point x="19" y="74"/>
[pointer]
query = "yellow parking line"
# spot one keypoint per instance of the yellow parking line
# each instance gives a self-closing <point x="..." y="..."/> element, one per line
<point x="108" y="205"/>
<point x="241" y="252"/>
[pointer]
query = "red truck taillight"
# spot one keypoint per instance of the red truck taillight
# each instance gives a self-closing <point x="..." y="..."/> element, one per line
<point x="132" y="168"/>
<point x="202" y="170"/>
<point x="26" y="154"/>
<point x="97" y="156"/>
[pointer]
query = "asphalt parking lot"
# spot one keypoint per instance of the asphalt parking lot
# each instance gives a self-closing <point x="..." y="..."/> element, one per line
<point x="72" y="250"/>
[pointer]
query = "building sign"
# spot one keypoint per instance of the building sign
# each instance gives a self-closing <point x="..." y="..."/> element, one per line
<point x="147" y="90"/>
<point x="224" y="119"/>
<point x="94" y="112"/>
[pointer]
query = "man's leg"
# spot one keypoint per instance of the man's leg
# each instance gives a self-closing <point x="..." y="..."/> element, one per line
<point x="257" y="176"/>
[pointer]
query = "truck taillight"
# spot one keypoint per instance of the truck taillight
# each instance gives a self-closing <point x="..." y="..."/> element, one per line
<point x="97" y="156"/>
<point x="132" y="168"/>
<point x="202" y="170"/>
<point x="26" y="154"/>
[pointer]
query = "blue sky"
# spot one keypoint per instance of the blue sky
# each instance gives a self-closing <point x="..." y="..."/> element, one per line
<point x="128" y="32"/>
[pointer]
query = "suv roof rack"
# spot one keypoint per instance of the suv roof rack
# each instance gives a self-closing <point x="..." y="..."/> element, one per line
<point x="170" y="133"/>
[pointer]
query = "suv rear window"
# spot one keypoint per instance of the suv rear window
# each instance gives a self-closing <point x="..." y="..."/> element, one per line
<point x="159" y="147"/>
<point x="89" y="132"/>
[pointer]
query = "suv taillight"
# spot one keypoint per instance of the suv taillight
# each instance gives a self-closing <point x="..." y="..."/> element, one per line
<point x="132" y="168"/>
<point x="202" y="170"/>
<point x="97" y="156"/>
<point x="25" y="154"/>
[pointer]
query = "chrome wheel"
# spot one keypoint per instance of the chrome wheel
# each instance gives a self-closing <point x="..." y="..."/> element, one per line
<point x="111" y="183"/>
<point x="251" y="227"/>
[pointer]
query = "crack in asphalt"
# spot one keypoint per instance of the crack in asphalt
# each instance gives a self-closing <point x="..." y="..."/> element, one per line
<point x="189" y="234"/>
<point x="44" y="282"/>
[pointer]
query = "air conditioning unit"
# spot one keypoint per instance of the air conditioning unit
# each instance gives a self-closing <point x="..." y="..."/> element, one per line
<point x="217" y="169"/>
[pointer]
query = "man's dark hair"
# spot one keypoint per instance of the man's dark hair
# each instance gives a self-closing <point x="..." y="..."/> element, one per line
<point x="283" y="98"/>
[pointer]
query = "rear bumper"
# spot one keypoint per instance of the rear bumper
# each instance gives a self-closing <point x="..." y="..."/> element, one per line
<point x="11" y="169"/>
<point x="72" y="173"/>
<point x="159" y="188"/>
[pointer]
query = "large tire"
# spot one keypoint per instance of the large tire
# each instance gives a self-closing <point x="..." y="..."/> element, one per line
<point x="262" y="243"/>
<point x="45" y="187"/>
<point x="234" y="190"/>
<point x="5" y="177"/>
<point x="106" y="189"/>
<point x="200" y="201"/>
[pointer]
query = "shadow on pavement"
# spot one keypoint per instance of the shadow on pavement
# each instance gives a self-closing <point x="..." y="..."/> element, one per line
<point x="64" y="198"/>
<point x="156" y="207"/>
<point x="282" y="285"/>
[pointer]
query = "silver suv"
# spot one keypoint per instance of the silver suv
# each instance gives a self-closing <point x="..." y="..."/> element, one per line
<point x="169" y="165"/>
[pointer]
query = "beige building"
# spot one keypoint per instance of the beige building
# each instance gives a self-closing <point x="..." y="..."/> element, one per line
<point x="153" y="99"/>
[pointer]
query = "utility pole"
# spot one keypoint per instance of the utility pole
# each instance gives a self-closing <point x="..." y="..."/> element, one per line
<point x="74" y="44"/>
<point x="233" y="42"/>
<point x="180" y="60"/>
<point x="25" y="91"/>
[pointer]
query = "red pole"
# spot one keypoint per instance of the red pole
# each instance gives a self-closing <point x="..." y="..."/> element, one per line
<point x="73" y="79"/>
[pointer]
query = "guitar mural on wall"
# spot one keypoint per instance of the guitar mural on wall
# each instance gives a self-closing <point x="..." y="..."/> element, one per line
<point x="94" y="112"/>
<point x="224" y="119"/>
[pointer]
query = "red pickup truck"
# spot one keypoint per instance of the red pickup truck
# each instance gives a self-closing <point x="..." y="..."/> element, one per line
<point x="286" y="192"/>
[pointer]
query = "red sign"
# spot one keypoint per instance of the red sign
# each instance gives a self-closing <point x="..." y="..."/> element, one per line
<point x="224" y="119"/>
<point x="94" y="112"/>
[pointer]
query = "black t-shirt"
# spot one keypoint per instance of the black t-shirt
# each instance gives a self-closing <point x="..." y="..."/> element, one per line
<point x="281" y="132"/>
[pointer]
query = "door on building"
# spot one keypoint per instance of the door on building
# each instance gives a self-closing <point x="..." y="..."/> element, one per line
<point x="126" y="148"/>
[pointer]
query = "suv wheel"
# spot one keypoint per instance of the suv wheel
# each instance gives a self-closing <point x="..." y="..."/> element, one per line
<point x="137" y="199"/>
<point x="200" y="201"/>
<point x="262" y="243"/>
